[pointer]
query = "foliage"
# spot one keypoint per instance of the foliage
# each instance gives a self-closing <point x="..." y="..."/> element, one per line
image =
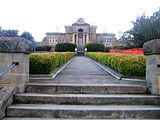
<point x="43" y="48"/>
<point x="119" y="47"/>
<point x="146" y="28"/>
<point x="27" y="35"/>
<point x="8" y="33"/>
<point x="95" y="47"/>
<point x="1" y="86"/>
<point x="45" y="63"/>
<point x="64" y="47"/>
<point x="106" y="49"/>
<point x="14" y="33"/>
<point x="127" y="40"/>
<point x="128" y="65"/>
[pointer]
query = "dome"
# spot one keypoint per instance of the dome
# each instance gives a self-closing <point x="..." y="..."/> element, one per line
<point x="80" y="21"/>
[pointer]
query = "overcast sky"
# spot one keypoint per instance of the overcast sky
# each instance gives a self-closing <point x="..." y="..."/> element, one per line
<point x="41" y="16"/>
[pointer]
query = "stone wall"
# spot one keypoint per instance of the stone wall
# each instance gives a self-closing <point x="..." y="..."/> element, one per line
<point x="6" y="99"/>
<point x="68" y="38"/>
<point x="152" y="50"/>
<point x="15" y="49"/>
<point x="17" y="76"/>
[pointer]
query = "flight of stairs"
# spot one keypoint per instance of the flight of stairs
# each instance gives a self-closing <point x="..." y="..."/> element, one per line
<point x="89" y="101"/>
<point x="80" y="51"/>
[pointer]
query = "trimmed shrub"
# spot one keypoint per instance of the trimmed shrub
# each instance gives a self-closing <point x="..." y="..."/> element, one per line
<point x="119" y="47"/>
<point x="1" y="86"/>
<point x="64" y="47"/>
<point x="43" y="48"/>
<point x="128" y="65"/>
<point x="45" y="63"/>
<point x="106" y="49"/>
<point x="94" y="47"/>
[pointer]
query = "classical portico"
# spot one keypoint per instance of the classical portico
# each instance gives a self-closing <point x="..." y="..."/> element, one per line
<point x="81" y="32"/>
<point x="80" y="38"/>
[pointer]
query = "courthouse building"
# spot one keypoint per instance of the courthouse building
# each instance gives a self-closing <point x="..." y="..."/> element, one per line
<point x="79" y="33"/>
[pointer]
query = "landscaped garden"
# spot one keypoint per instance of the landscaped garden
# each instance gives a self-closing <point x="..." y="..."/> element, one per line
<point x="126" y="64"/>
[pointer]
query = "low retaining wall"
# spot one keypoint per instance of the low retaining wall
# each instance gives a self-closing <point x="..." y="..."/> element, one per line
<point x="6" y="98"/>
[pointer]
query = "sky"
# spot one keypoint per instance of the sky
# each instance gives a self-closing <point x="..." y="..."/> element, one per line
<point x="41" y="16"/>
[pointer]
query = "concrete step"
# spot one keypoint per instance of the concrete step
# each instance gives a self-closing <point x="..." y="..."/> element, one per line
<point x="22" y="118"/>
<point x="84" y="111"/>
<point x="80" y="53"/>
<point x="85" y="79"/>
<point x="85" y="88"/>
<point x="96" y="99"/>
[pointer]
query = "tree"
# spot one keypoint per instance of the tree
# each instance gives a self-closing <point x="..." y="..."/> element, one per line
<point x="145" y="29"/>
<point x="127" y="39"/>
<point x="27" y="35"/>
<point x="8" y="33"/>
<point x="11" y="33"/>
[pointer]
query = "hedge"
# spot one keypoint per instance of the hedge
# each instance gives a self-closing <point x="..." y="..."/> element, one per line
<point x="1" y="86"/>
<point x="43" y="48"/>
<point x="128" y="65"/>
<point x="107" y="49"/>
<point x="64" y="47"/>
<point x="45" y="63"/>
<point x="94" y="47"/>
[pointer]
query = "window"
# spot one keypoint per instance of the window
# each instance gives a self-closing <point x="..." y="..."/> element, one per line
<point x="110" y="40"/>
<point x="106" y="40"/>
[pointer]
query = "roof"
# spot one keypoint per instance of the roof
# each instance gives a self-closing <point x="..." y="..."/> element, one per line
<point x="55" y="33"/>
<point x="110" y="34"/>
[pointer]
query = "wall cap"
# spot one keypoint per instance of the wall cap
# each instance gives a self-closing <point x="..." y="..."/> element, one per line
<point x="15" y="45"/>
<point x="152" y="47"/>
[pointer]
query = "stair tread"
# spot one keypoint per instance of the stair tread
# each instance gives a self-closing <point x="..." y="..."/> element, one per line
<point x="84" y="107"/>
<point x="90" y="95"/>
<point x="84" y="85"/>
<point x="21" y="118"/>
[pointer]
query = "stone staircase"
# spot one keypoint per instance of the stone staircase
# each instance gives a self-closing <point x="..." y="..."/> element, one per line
<point x="85" y="101"/>
<point x="80" y="51"/>
<point x="83" y="90"/>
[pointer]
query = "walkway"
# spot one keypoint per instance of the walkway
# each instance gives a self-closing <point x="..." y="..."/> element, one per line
<point x="82" y="70"/>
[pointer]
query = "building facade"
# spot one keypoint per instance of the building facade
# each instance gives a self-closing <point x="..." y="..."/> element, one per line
<point x="79" y="33"/>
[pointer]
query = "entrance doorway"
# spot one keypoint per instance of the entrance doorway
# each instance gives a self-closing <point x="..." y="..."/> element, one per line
<point x="80" y="37"/>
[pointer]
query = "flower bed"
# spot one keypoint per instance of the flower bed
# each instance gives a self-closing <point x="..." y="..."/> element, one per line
<point x="128" y="65"/>
<point x="45" y="63"/>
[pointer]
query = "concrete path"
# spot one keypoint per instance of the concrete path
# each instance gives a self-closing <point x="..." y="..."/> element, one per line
<point x="82" y="70"/>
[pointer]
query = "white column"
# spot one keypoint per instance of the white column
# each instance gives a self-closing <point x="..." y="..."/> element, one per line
<point x="73" y="38"/>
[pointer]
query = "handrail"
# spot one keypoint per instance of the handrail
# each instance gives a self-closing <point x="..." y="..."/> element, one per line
<point x="9" y="68"/>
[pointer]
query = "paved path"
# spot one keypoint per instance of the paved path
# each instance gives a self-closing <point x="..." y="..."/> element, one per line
<point x="82" y="70"/>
